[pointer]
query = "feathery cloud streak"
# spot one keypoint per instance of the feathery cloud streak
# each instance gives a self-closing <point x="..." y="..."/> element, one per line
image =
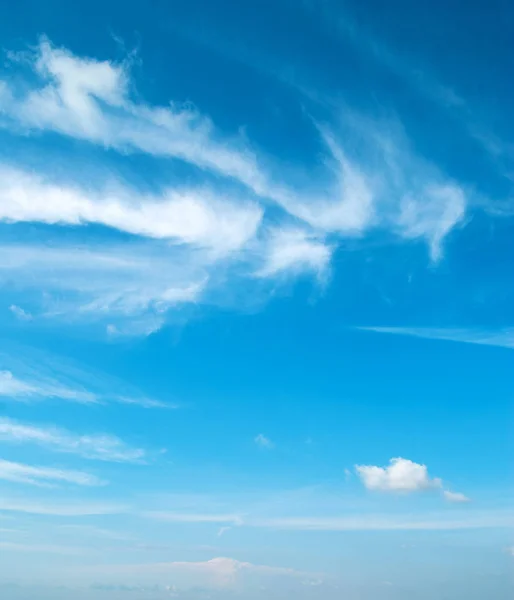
<point x="189" y="240"/>
<point x="502" y="338"/>
<point x="89" y="100"/>
<point x="97" y="447"/>
<point x="44" y="476"/>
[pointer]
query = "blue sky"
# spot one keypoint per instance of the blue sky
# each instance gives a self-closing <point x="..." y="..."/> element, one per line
<point x="257" y="300"/>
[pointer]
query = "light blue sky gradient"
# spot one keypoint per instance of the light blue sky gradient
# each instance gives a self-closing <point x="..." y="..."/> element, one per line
<point x="257" y="300"/>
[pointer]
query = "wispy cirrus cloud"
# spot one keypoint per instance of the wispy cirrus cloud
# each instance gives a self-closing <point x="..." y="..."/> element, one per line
<point x="70" y="98"/>
<point x="39" y="388"/>
<point x="31" y="376"/>
<point x="105" y="282"/>
<point x="204" y="229"/>
<point x="192" y="517"/>
<point x="434" y="217"/>
<point x="328" y="509"/>
<point x="40" y="548"/>
<point x="377" y="522"/>
<point x="44" y="476"/>
<point x="419" y="77"/>
<point x="455" y="497"/>
<point x="65" y="99"/>
<point x="57" y="508"/>
<point x="502" y="338"/>
<point x="14" y="387"/>
<point x="188" y="242"/>
<point x="20" y="313"/>
<point x="264" y="442"/>
<point x="370" y="521"/>
<point x="97" y="447"/>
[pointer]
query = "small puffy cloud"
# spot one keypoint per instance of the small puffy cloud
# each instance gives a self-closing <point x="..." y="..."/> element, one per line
<point x="401" y="475"/>
<point x="456" y="497"/>
<point x="264" y="442"/>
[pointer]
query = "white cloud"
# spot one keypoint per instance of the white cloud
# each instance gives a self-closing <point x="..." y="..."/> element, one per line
<point x="344" y="200"/>
<point x="264" y="442"/>
<point x="120" y="281"/>
<point x="220" y="572"/>
<point x="433" y="216"/>
<point x="40" y="548"/>
<point x="420" y="78"/>
<point x="340" y="520"/>
<point x="503" y="338"/>
<point x="34" y="376"/>
<point x="455" y="497"/>
<point x="224" y="571"/>
<point x="344" y="204"/>
<point x="215" y="243"/>
<point x="189" y="216"/>
<point x="17" y="388"/>
<point x="349" y="206"/>
<point x="20" y="313"/>
<point x="40" y="387"/>
<point x="401" y="475"/>
<point x="294" y="251"/>
<point x="98" y="447"/>
<point x="223" y="530"/>
<point x="67" y="102"/>
<point x="53" y="507"/>
<point x="197" y="239"/>
<point x="177" y="517"/>
<point x="43" y="476"/>
<point x="374" y="522"/>
<point x="411" y="196"/>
